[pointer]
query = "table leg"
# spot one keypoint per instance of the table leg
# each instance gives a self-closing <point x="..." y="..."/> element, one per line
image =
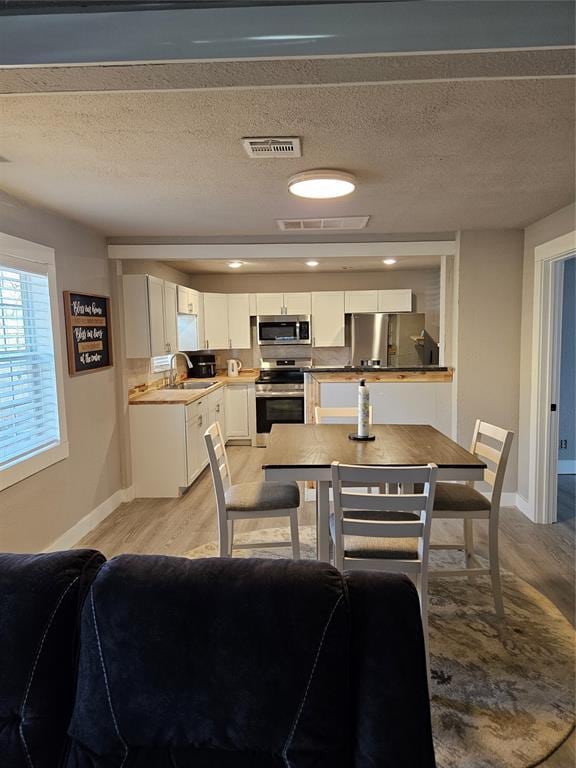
<point x="323" y="520"/>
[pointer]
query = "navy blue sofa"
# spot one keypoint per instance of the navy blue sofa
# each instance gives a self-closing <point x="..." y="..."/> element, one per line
<point x="164" y="662"/>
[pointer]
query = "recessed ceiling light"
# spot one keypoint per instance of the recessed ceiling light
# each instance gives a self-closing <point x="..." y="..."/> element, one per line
<point x="322" y="184"/>
<point x="312" y="263"/>
<point x="235" y="264"/>
<point x="389" y="261"/>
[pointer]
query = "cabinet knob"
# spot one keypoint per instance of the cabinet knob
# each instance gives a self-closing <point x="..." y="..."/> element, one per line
<point x="218" y="408"/>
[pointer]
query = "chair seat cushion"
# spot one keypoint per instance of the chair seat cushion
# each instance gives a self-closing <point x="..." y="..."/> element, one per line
<point x="379" y="547"/>
<point x="453" y="497"/>
<point x="258" y="497"/>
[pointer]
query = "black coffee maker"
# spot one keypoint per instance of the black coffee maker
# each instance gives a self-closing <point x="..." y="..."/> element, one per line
<point x="203" y="365"/>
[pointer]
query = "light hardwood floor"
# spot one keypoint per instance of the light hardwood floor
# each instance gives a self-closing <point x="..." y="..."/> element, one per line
<point x="542" y="555"/>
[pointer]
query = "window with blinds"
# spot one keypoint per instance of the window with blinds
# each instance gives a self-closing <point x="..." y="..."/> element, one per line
<point x="29" y="420"/>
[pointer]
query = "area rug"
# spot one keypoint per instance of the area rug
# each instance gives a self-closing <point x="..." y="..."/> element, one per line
<point x="502" y="691"/>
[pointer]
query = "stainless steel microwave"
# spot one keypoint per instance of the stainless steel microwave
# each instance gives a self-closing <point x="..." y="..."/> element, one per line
<point x="284" y="329"/>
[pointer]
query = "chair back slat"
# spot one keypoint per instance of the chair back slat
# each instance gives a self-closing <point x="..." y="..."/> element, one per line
<point x="486" y="452"/>
<point x="405" y="502"/>
<point x="374" y="476"/>
<point x="389" y="529"/>
<point x="327" y="415"/>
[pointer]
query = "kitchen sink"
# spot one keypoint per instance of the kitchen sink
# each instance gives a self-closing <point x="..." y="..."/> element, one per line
<point x="193" y="385"/>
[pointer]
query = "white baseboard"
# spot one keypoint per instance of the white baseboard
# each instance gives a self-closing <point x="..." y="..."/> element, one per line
<point x="523" y="506"/>
<point x="567" y="467"/>
<point x="73" y="535"/>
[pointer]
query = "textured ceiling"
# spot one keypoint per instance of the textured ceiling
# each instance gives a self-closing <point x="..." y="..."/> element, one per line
<point x="436" y="156"/>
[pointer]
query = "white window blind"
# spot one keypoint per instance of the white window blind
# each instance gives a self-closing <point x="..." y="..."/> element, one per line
<point x="29" y="421"/>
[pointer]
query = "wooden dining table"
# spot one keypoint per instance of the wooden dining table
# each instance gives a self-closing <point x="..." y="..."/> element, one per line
<point x="306" y="451"/>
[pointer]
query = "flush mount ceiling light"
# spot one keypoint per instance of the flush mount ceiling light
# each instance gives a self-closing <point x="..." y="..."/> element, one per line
<point x="322" y="185"/>
<point x="312" y="263"/>
<point x="389" y="261"/>
<point x="235" y="264"/>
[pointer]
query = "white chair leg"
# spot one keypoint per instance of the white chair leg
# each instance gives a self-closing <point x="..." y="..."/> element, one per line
<point x="494" y="557"/>
<point x="469" y="546"/>
<point x="294" y="534"/>
<point x="223" y="538"/>
<point x="230" y="537"/>
<point x="422" y="587"/>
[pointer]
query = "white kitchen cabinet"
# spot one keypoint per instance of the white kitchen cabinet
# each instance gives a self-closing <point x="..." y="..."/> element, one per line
<point x="217" y="411"/>
<point x="297" y="303"/>
<point x="283" y="303"/>
<point x="328" y="319"/>
<point x="399" y="300"/>
<point x="197" y="422"/>
<point x="270" y="303"/>
<point x="188" y="301"/>
<point x="150" y="320"/>
<point x="239" y="321"/>
<point x="240" y="405"/>
<point x="216" y="321"/>
<point x="360" y="301"/>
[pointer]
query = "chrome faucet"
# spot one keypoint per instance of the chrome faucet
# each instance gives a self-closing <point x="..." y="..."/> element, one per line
<point x="173" y="372"/>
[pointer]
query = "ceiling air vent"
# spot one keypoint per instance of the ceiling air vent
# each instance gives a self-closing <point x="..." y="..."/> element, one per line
<point x="325" y="225"/>
<point x="272" y="146"/>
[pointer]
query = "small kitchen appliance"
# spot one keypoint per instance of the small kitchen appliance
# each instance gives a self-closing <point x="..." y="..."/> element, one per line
<point x="203" y="365"/>
<point x="284" y="329"/>
<point x="234" y="367"/>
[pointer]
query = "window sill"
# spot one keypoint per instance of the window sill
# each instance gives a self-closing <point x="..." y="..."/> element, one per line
<point x="33" y="464"/>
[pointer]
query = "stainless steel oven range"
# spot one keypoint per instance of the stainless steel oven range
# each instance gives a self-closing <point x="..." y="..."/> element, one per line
<point x="279" y="394"/>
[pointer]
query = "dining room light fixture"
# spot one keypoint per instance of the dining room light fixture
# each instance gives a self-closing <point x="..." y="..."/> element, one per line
<point x="312" y="263"/>
<point x="322" y="184"/>
<point x="235" y="264"/>
<point x="389" y="262"/>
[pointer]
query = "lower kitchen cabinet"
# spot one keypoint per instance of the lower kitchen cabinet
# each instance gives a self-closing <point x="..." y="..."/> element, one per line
<point x="167" y="444"/>
<point x="240" y="402"/>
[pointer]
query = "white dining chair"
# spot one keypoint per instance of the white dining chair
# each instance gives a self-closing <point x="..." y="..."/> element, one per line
<point x="248" y="501"/>
<point x="384" y="531"/>
<point x="457" y="501"/>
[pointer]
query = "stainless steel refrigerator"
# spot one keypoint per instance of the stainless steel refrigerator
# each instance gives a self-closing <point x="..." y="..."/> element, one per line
<point x="392" y="340"/>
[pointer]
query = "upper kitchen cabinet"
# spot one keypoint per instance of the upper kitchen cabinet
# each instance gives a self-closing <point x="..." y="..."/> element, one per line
<point x="188" y="301"/>
<point x="270" y="303"/>
<point x="395" y="301"/>
<point x="239" y="321"/>
<point x="361" y="301"/>
<point x="328" y="319"/>
<point x="216" y="321"/>
<point x="297" y="303"/>
<point x="283" y="303"/>
<point x="150" y="324"/>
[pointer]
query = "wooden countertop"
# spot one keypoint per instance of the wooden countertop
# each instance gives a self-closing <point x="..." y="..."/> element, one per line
<point x="382" y="376"/>
<point x="187" y="396"/>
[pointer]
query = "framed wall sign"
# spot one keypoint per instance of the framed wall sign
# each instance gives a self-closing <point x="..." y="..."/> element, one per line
<point x="88" y="332"/>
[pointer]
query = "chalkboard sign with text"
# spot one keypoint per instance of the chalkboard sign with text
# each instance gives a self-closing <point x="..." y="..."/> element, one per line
<point x="88" y="332"/>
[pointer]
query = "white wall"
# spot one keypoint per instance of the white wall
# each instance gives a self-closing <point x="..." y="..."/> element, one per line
<point x="557" y="224"/>
<point x="39" y="509"/>
<point x="488" y="349"/>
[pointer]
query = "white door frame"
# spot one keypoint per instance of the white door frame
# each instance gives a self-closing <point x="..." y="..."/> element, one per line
<point x="546" y="337"/>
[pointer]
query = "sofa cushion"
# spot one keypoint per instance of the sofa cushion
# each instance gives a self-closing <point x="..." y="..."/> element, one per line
<point x="216" y="663"/>
<point x="40" y="598"/>
<point x="259" y="497"/>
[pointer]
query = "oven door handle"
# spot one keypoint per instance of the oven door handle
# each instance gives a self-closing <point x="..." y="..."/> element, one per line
<point x="260" y="395"/>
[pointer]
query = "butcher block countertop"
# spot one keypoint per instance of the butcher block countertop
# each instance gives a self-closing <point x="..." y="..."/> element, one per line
<point x="333" y="377"/>
<point x="187" y="396"/>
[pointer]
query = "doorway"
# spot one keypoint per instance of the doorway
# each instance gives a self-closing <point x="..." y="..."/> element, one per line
<point x="550" y="260"/>
<point x="566" y="506"/>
